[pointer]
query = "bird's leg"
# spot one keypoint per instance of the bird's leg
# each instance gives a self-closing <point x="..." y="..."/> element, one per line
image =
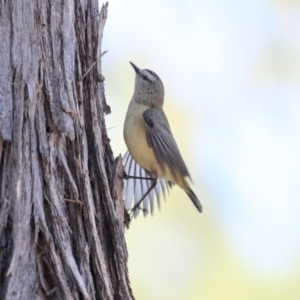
<point x="137" y="206"/>
<point x="125" y="176"/>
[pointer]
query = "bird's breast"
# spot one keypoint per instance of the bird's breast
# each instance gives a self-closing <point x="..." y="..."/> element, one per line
<point x="136" y="140"/>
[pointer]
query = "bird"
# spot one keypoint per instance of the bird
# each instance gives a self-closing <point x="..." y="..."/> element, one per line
<point x="153" y="162"/>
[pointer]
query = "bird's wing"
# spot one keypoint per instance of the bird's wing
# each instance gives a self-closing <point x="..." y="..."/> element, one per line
<point x="135" y="189"/>
<point x="161" y="140"/>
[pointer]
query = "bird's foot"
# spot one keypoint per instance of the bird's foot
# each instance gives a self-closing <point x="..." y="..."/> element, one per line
<point x="137" y="206"/>
<point x="126" y="176"/>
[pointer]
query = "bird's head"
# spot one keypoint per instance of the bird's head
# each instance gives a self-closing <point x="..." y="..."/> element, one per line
<point x="149" y="89"/>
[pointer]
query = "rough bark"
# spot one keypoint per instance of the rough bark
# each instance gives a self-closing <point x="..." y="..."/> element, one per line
<point x="61" y="216"/>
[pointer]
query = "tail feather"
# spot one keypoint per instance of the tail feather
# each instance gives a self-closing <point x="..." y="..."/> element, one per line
<point x="194" y="199"/>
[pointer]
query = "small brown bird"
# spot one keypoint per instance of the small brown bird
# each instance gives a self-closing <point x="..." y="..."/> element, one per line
<point x="153" y="160"/>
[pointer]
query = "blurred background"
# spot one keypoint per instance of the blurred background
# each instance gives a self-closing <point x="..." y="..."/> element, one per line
<point x="231" y="71"/>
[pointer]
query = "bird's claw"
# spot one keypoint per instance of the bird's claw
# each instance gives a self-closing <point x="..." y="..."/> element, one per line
<point x="133" y="210"/>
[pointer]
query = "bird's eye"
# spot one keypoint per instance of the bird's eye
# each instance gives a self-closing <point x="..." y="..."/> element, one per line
<point x="146" y="78"/>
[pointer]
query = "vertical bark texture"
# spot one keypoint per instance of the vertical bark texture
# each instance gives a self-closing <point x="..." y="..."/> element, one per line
<point x="61" y="222"/>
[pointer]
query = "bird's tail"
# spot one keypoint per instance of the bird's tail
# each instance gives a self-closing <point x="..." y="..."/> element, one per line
<point x="194" y="199"/>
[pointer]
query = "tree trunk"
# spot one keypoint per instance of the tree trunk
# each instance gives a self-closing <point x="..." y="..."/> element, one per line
<point x="61" y="207"/>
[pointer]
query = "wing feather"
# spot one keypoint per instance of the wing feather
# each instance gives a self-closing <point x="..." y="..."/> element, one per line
<point x="161" y="140"/>
<point x="136" y="188"/>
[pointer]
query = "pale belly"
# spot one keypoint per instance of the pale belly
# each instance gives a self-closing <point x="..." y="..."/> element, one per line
<point x="136" y="141"/>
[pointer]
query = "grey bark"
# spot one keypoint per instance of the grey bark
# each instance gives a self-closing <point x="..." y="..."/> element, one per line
<point x="61" y="210"/>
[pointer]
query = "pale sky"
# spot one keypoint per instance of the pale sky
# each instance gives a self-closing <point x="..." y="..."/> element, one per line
<point x="231" y="71"/>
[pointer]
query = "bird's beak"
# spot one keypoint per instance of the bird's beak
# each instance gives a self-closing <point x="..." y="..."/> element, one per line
<point x="136" y="69"/>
